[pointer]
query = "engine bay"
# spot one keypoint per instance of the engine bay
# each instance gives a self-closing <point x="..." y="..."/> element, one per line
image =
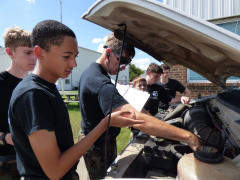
<point x="215" y="120"/>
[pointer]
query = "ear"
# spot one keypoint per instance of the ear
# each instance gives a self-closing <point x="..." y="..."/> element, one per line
<point x="38" y="52"/>
<point x="107" y="53"/>
<point x="9" y="52"/>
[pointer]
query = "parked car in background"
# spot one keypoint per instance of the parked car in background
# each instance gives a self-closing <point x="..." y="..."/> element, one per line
<point x="205" y="48"/>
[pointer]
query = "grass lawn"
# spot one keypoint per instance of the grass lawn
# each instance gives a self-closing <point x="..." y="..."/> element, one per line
<point x="75" y="118"/>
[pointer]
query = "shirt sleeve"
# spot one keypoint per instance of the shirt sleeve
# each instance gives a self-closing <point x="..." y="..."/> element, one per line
<point x="179" y="87"/>
<point x="34" y="113"/>
<point x="106" y="98"/>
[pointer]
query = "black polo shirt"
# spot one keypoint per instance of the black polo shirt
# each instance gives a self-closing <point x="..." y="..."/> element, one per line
<point x="172" y="87"/>
<point x="95" y="99"/>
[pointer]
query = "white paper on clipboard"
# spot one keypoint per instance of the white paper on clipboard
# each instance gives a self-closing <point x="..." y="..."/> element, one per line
<point x="135" y="97"/>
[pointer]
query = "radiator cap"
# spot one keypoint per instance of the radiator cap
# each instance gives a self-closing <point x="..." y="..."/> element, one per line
<point x="208" y="154"/>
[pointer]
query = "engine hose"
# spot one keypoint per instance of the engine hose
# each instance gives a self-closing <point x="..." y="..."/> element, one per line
<point x="199" y="122"/>
<point x="177" y="112"/>
<point x="212" y="118"/>
<point x="177" y="154"/>
<point x="179" y="150"/>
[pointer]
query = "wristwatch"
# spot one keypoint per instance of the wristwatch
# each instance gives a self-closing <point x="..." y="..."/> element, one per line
<point x="3" y="140"/>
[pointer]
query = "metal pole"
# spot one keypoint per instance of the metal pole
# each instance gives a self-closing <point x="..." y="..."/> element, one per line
<point x="61" y="11"/>
<point x="62" y="80"/>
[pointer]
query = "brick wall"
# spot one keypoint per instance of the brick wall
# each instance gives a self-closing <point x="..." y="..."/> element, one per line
<point x="179" y="73"/>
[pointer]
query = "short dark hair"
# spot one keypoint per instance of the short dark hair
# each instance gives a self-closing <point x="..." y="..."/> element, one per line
<point x="165" y="67"/>
<point x="115" y="44"/>
<point x="154" y="68"/>
<point x="50" y="32"/>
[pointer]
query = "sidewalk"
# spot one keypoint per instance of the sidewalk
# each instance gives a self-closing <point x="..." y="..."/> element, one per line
<point x="81" y="170"/>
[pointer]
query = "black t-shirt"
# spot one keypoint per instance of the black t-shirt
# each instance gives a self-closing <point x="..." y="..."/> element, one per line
<point x="7" y="84"/>
<point x="172" y="87"/>
<point x="35" y="105"/>
<point x="157" y="95"/>
<point x="95" y="97"/>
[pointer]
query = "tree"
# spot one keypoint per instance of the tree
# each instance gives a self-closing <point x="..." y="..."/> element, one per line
<point x="134" y="72"/>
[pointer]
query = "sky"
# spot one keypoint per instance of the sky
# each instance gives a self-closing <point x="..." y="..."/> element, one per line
<point x="27" y="13"/>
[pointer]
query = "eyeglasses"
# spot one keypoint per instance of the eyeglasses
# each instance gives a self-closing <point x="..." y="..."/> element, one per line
<point x="124" y="60"/>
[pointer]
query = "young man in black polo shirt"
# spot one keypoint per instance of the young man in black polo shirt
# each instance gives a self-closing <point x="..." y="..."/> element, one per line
<point x="95" y="98"/>
<point x="39" y="120"/>
<point x="19" y="49"/>
<point x="172" y="86"/>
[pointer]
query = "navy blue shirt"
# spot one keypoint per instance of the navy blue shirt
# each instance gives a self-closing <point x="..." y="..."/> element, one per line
<point x="37" y="105"/>
<point x="95" y="99"/>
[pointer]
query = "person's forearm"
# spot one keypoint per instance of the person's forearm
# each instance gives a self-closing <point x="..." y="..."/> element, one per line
<point x="187" y="92"/>
<point x="84" y="144"/>
<point x="156" y="127"/>
<point x="145" y="111"/>
<point x="174" y="100"/>
<point x="160" y="128"/>
<point x="56" y="163"/>
<point x="67" y="159"/>
<point x="163" y="129"/>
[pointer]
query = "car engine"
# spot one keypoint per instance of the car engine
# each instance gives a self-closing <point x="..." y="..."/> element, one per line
<point x="214" y="119"/>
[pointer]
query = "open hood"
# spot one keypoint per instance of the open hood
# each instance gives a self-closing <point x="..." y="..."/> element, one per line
<point x="172" y="37"/>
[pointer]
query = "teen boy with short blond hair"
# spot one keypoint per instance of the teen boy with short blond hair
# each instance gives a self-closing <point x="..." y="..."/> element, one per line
<point x="19" y="49"/>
